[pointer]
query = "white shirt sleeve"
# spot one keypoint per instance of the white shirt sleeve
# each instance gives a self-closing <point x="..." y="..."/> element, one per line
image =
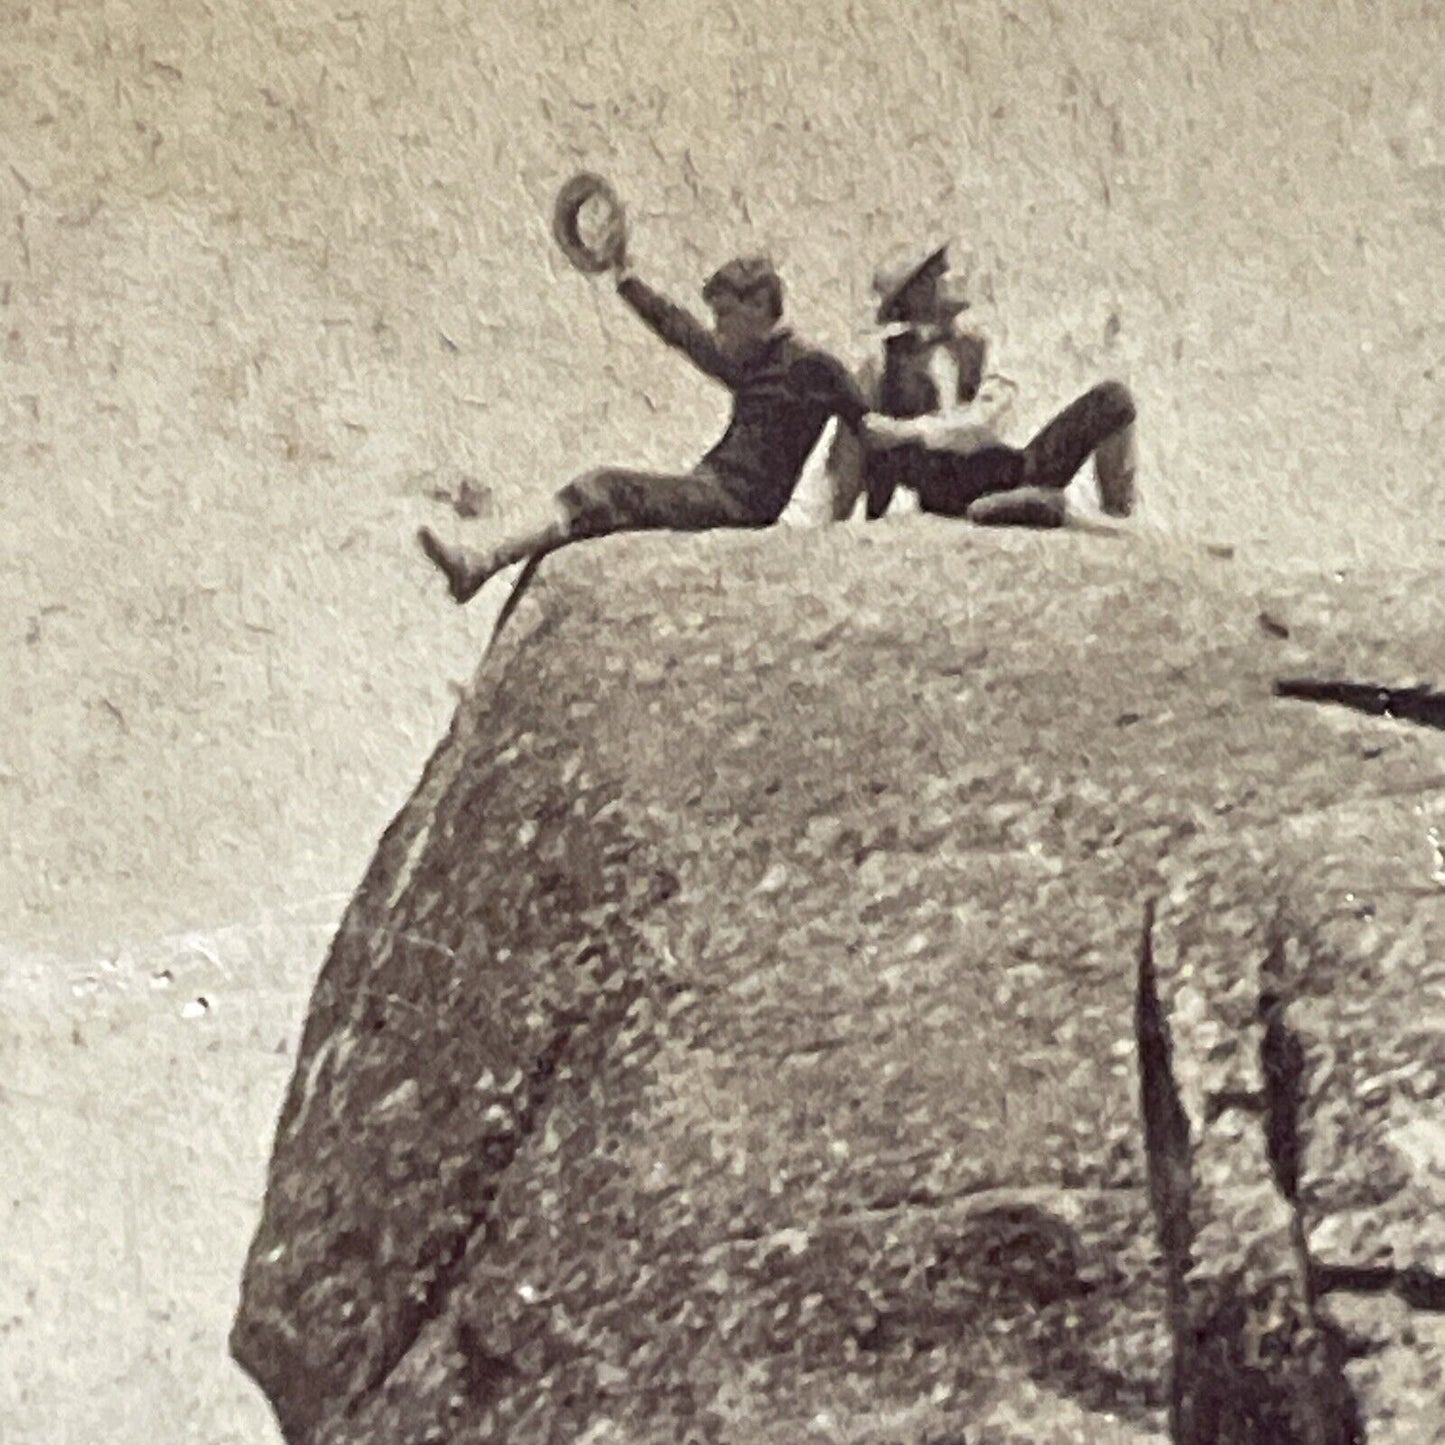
<point x="943" y="372"/>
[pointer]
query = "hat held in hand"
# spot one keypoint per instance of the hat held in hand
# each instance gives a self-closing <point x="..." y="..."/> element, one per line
<point x="588" y="223"/>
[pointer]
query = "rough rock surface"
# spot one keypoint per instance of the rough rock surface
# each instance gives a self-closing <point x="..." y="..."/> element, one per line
<point x="733" y="1038"/>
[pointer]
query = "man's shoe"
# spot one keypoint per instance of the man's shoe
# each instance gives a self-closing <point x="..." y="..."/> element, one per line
<point x="464" y="579"/>
<point x="1022" y="507"/>
<point x="1114" y="465"/>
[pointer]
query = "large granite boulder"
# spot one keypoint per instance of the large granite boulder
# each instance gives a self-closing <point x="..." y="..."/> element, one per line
<point x="740" y="1035"/>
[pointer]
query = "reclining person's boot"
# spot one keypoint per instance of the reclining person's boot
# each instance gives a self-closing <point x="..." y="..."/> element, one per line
<point x="1021" y="507"/>
<point x="1114" y="465"/>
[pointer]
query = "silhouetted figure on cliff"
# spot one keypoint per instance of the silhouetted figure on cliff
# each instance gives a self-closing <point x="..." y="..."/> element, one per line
<point x="784" y="392"/>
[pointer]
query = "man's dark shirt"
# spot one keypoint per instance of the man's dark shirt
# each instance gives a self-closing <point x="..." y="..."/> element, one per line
<point x="782" y="399"/>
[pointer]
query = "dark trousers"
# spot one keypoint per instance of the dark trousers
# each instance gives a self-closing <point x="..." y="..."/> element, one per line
<point x="615" y="499"/>
<point x="948" y="483"/>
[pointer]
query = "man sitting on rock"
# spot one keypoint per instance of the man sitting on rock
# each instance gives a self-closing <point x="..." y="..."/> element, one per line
<point x="784" y="392"/>
<point x="932" y="373"/>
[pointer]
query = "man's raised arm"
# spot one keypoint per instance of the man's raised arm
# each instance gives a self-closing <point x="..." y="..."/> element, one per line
<point x="675" y="325"/>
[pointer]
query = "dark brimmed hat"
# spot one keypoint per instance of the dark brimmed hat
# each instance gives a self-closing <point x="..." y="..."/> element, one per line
<point x="580" y="191"/>
<point x="900" y="271"/>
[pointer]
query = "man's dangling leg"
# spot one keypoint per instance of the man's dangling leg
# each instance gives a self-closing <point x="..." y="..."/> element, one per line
<point x="597" y="504"/>
<point x="468" y="570"/>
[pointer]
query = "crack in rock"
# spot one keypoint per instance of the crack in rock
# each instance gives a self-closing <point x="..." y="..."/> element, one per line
<point x="1255" y="1363"/>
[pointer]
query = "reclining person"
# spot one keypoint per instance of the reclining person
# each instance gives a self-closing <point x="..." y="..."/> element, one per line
<point x="932" y="374"/>
<point x="784" y="392"/>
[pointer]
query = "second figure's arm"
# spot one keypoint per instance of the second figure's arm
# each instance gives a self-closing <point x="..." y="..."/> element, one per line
<point x="853" y="404"/>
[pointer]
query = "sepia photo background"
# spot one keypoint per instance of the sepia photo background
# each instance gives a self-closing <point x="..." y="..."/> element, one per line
<point x="273" y="274"/>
